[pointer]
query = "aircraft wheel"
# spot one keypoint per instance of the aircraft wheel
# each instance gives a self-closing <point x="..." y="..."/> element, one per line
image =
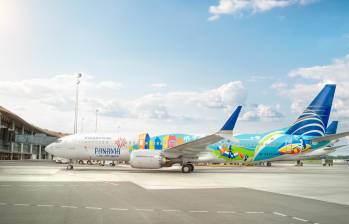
<point x="268" y="164"/>
<point x="70" y="167"/>
<point x="186" y="168"/>
<point x="89" y="162"/>
<point x="191" y="167"/>
<point x="81" y="162"/>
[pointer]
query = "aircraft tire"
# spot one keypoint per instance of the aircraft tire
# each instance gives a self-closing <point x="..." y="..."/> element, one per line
<point x="70" y="167"/>
<point x="191" y="167"/>
<point x="186" y="168"/>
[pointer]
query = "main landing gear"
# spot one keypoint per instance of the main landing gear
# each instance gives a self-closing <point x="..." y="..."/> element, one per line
<point x="187" y="168"/>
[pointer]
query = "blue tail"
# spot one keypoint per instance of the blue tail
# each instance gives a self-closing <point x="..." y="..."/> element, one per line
<point x="230" y="124"/>
<point x="313" y="121"/>
<point x="332" y="128"/>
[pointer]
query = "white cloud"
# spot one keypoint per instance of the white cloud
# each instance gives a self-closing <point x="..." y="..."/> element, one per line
<point x="336" y="72"/>
<point x="235" y="7"/>
<point x="109" y="85"/>
<point x="49" y="103"/>
<point x="278" y="86"/>
<point x="182" y="105"/>
<point x="261" y="112"/>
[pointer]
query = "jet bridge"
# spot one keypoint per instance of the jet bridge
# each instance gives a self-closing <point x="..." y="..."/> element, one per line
<point x="37" y="139"/>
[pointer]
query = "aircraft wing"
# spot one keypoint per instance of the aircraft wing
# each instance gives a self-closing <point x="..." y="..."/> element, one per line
<point x="330" y="137"/>
<point x="334" y="147"/>
<point x="191" y="150"/>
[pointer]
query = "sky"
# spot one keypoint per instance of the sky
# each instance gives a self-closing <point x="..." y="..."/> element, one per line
<point x="172" y="66"/>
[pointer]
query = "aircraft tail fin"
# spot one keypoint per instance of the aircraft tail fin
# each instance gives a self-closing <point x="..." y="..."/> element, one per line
<point x="313" y="121"/>
<point x="230" y="123"/>
<point x="332" y="128"/>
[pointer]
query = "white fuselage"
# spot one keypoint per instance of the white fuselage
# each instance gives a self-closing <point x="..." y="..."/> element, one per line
<point x="106" y="147"/>
<point x="91" y="147"/>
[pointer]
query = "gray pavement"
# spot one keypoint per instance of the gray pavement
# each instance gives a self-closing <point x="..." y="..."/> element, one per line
<point x="124" y="202"/>
<point x="46" y="193"/>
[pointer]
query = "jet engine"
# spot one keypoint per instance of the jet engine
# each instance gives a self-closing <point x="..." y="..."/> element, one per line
<point x="147" y="159"/>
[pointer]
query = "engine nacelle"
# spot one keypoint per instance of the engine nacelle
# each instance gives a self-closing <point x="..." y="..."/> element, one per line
<point x="146" y="159"/>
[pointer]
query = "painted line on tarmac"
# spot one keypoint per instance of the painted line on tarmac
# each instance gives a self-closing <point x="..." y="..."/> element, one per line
<point x="279" y="214"/>
<point x="144" y="209"/>
<point x="20" y="204"/>
<point x="226" y="212"/>
<point x="5" y="185"/>
<point x="44" y="205"/>
<point x="198" y="211"/>
<point x="68" y="206"/>
<point x="170" y="210"/>
<point x="299" y="219"/>
<point x="119" y="209"/>
<point x="94" y="208"/>
<point x="162" y="210"/>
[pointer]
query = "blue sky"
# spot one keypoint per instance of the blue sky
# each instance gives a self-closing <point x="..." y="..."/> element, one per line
<point x="139" y="52"/>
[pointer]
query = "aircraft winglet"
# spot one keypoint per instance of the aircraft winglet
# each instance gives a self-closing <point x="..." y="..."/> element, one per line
<point x="230" y="123"/>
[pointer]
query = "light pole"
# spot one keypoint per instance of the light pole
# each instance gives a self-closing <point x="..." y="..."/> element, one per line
<point x="96" y="120"/>
<point x="82" y="125"/>
<point x="77" y="103"/>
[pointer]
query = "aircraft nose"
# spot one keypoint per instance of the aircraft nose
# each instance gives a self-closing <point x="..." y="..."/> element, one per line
<point x="49" y="148"/>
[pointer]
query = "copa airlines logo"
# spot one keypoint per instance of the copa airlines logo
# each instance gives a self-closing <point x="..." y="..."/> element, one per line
<point x="309" y="123"/>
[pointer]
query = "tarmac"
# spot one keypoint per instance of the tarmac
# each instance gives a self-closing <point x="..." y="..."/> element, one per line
<point x="45" y="192"/>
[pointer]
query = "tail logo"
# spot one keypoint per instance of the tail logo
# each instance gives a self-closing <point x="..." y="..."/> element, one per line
<point x="309" y="123"/>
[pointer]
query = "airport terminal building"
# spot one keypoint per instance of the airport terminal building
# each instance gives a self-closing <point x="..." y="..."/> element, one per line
<point x="20" y="140"/>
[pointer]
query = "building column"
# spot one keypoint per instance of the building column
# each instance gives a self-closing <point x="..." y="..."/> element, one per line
<point x="12" y="143"/>
<point x="31" y="146"/>
<point x="22" y="144"/>
<point x="39" y="151"/>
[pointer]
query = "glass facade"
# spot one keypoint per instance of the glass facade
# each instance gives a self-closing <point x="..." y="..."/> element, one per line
<point x="17" y="138"/>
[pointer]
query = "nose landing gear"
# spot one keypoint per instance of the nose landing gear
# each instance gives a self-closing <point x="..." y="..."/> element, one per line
<point x="70" y="165"/>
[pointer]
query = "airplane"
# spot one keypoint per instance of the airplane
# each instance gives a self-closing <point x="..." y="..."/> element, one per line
<point x="307" y="137"/>
<point x="160" y="151"/>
